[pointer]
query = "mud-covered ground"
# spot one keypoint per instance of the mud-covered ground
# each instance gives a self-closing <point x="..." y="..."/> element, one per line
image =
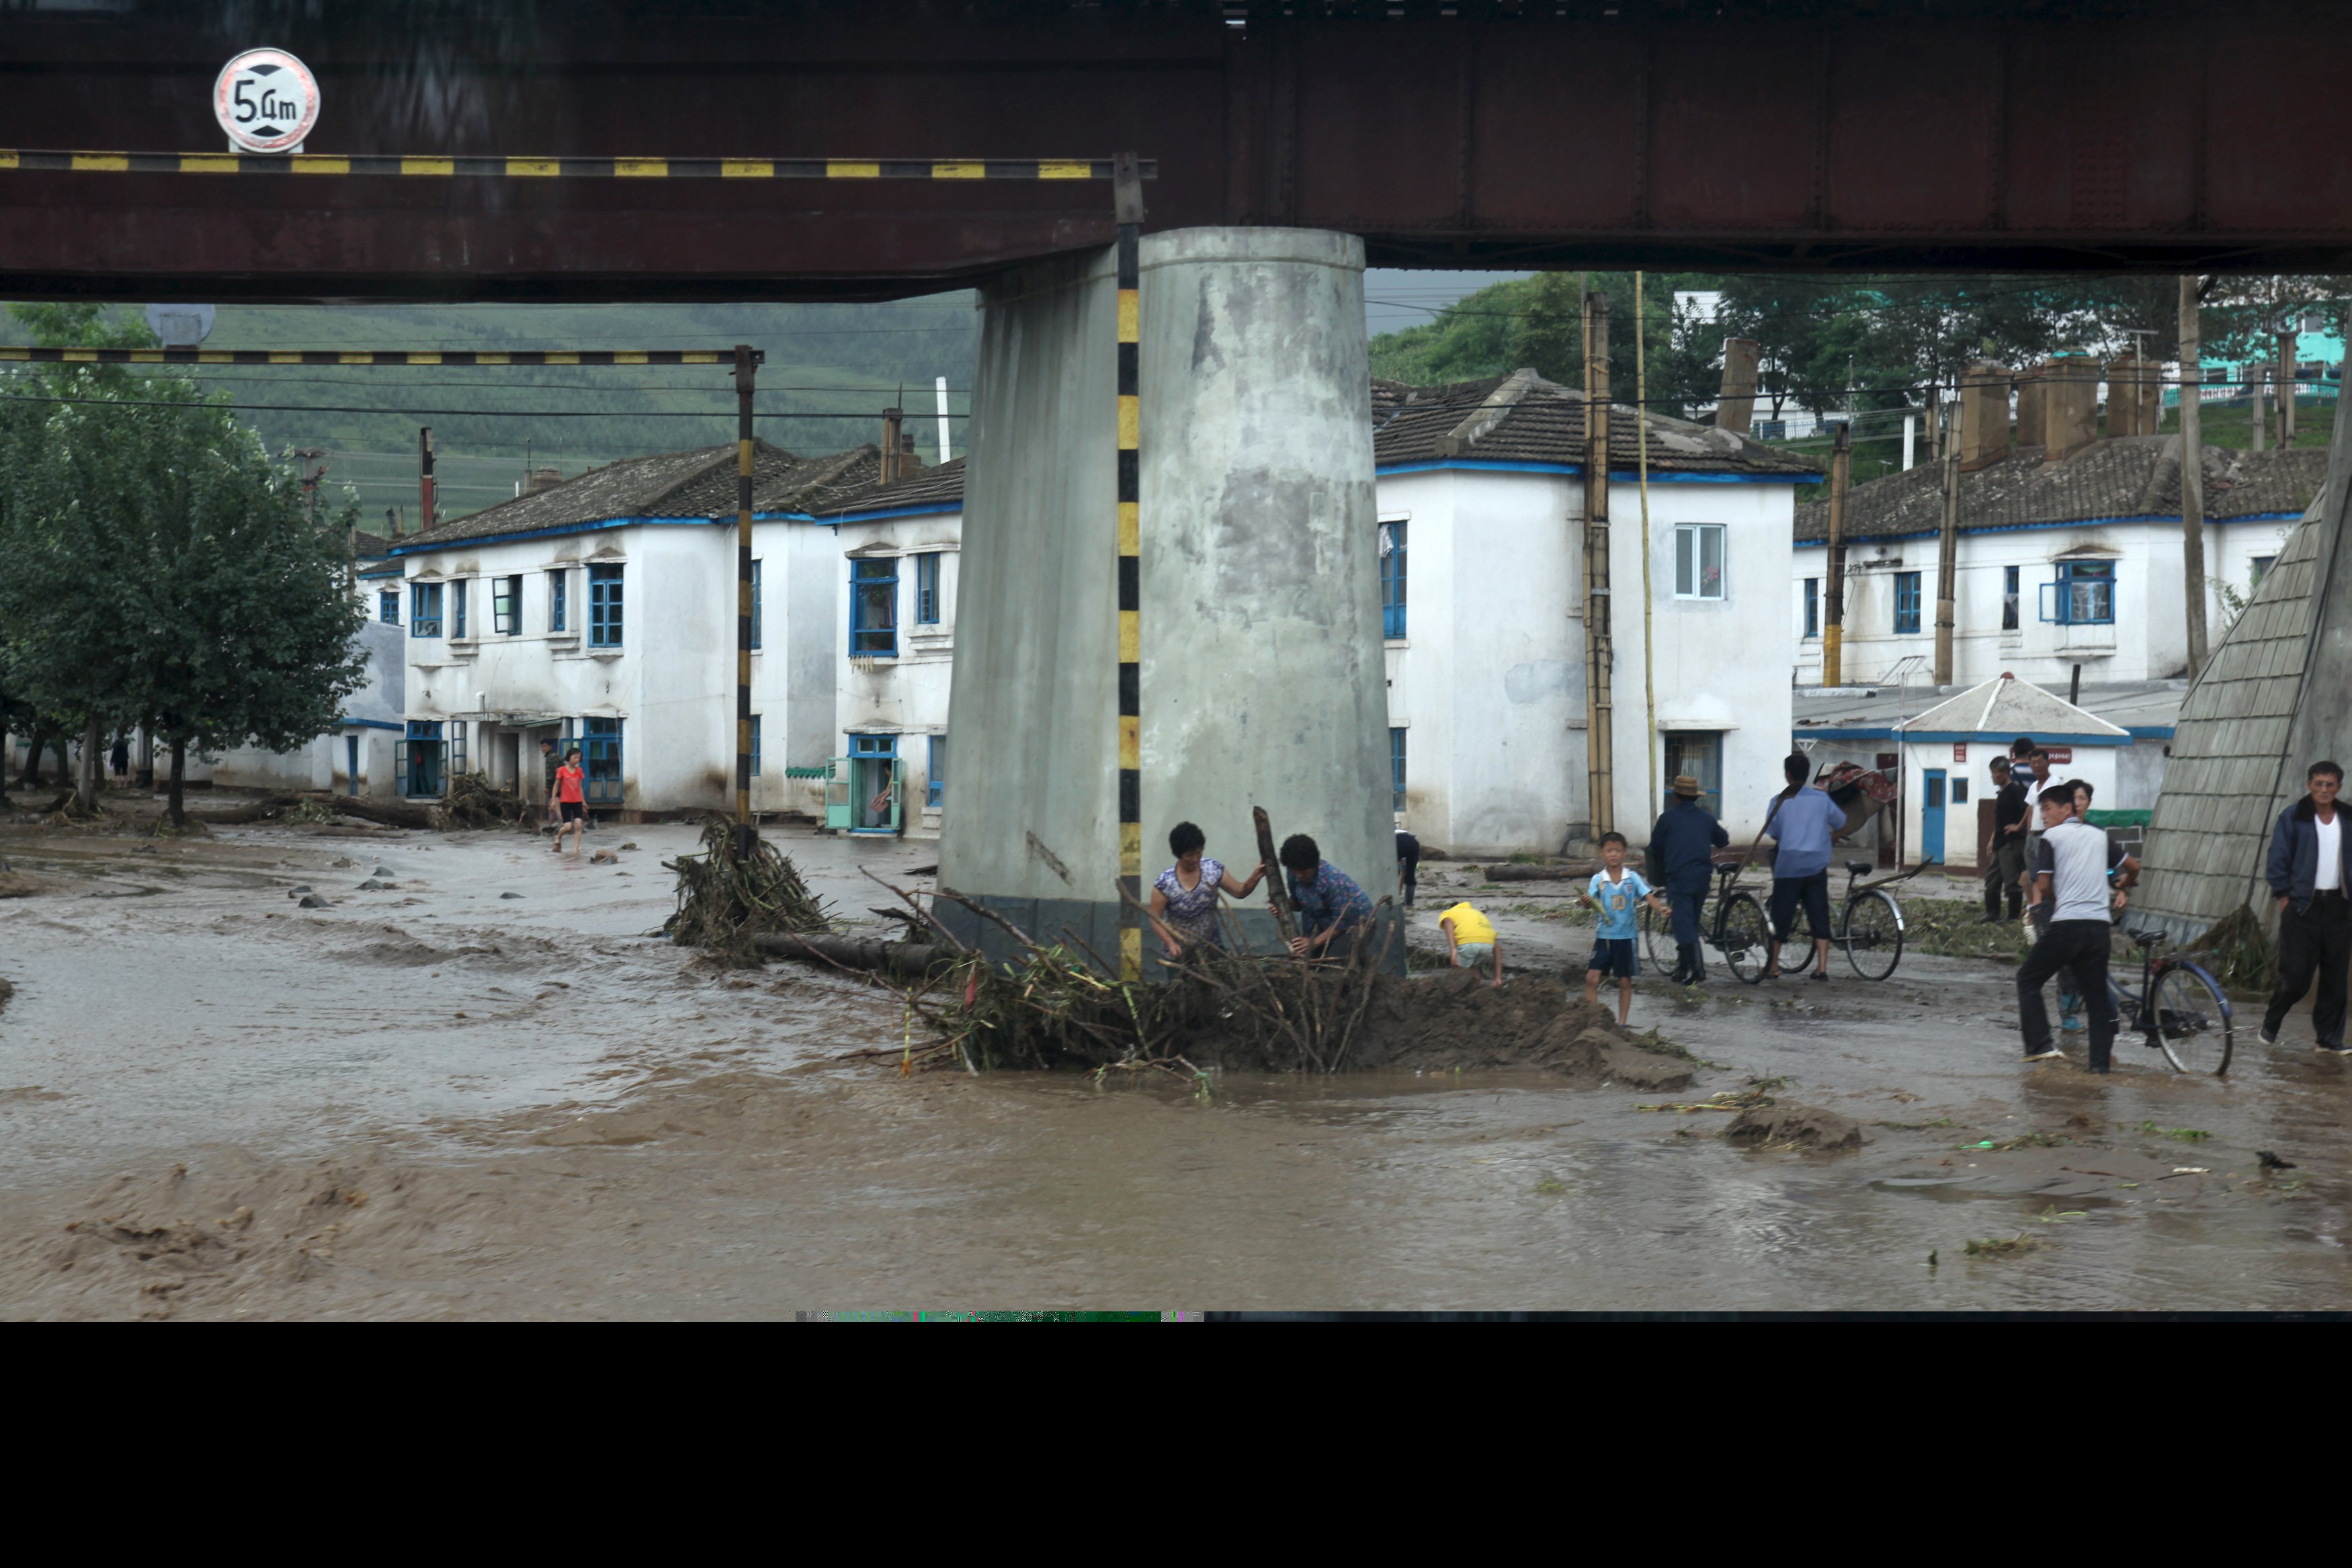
<point x="432" y="1100"/>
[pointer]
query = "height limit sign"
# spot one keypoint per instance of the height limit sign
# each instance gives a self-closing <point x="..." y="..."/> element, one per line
<point x="267" y="101"/>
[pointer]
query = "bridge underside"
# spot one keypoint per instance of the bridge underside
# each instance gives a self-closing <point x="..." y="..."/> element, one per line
<point x="1803" y="134"/>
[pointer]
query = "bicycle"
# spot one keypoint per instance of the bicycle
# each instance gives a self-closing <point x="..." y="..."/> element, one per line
<point x="1740" y="934"/>
<point x="1869" y="927"/>
<point x="2178" y="1009"/>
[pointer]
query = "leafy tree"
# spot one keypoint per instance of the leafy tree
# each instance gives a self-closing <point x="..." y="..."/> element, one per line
<point x="163" y="572"/>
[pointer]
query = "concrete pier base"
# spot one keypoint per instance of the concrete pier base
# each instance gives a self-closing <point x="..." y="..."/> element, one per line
<point x="1259" y="631"/>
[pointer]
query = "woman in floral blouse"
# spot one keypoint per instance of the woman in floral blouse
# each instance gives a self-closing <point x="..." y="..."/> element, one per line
<point x="1185" y="896"/>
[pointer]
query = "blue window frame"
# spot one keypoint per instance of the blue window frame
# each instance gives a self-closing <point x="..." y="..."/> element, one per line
<point x="1393" y="594"/>
<point x="936" y="794"/>
<point x="1906" y="602"/>
<point x="458" y="608"/>
<point x="387" y="606"/>
<point x="604" y="606"/>
<point x="1812" y="606"/>
<point x="2084" y="594"/>
<point x="506" y="605"/>
<point x="755" y="604"/>
<point x="873" y="773"/>
<point x="558" y="600"/>
<point x="1396" y="768"/>
<point x="927" y="589"/>
<point x="601" y="754"/>
<point x="755" y="745"/>
<point x="420" y="762"/>
<point x="874" y="608"/>
<point x="424" y="609"/>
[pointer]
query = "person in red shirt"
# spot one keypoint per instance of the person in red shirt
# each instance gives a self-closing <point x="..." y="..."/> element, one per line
<point x="569" y="799"/>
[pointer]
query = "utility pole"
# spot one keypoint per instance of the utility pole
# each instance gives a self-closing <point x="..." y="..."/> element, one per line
<point x="1599" y="709"/>
<point x="1833" y="620"/>
<point x="2257" y="405"/>
<point x="2286" y="389"/>
<point x="747" y="369"/>
<point x="2192" y="473"/>
<point x="1948" y="543"/>
<point x="425" y="477"/>
<point x="311" y="482"/>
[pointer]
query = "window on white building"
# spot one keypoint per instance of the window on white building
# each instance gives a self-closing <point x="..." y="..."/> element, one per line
<point x="755" y="602"/>
<point x="2260" y="565"/>
<point x="1812" y="606"/>
<point x="506" y="605"/>
<point x="458" y="608"/>
<point x="2008" y="598"/>
<point x="558" y="597"/>
<point x="1698" y="560"/>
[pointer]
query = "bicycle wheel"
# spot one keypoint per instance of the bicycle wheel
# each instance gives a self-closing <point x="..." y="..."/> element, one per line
<point x="2192" y="1020"/>
<point x="1658" y="940"/>
<point x="1744" y="938"/>
<point x="1873" y="935"/>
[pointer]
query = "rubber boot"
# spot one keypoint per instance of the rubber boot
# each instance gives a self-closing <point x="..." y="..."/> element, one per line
<point x="1693" y="967"/>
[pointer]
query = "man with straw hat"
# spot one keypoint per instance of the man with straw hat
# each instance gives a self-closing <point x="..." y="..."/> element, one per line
<point x="1682" y="857"/>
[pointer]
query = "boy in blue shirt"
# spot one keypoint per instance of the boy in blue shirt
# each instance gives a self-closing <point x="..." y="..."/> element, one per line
<point x="1615" y="893"/>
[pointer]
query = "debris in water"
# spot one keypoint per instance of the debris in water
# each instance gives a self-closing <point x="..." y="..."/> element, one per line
<point x="2003" y="1247"/>
<point x="603" y="857"/>
<point x="1771" y="1126"/>
<point x="511" y="896"/>
<point x="2270" y="1162"/>
<point x="739" y="886"/>
<point x="375" y="884"/>
<point x="298" y="890"/>
<point x="313" y="901"/>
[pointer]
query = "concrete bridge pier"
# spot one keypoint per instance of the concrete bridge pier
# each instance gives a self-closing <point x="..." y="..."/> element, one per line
<point x="1256" y="633"/>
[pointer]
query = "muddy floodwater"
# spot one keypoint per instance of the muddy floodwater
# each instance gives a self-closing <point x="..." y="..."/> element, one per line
<point x="431" y="1099"/>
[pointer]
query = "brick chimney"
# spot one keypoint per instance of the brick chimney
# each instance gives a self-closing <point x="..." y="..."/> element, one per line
<point x="2134" y="398"/>
<point x="538" y="479"/>
<point x="1984" y="415"/>
<point x="2070" y="404"/>
<point x="2032" y="411"/>
<point x="1735" y="409"/>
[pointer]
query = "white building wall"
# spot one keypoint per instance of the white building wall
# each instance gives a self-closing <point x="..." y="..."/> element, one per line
<point x="1489" y="682"/>
<point x="904" y="696"/>
<point x="2148" y="641"/>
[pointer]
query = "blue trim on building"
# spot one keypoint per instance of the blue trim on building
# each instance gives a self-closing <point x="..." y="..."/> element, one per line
<point x="365" y="723"/>
<point x="835" y="519"/>
<point x="1962" y="737"/>
<point x="424" y="545"/>
<point x="2036" y="528"/>
<point x="2150" y="731"/>
<point x="1629" y="475"/>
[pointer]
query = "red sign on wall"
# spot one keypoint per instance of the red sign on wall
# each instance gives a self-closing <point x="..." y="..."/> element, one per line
<point x="2060" y="754"/>
<point x="1960" y="751"/>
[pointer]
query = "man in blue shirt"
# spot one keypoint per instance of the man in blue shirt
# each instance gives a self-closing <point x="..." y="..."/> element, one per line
<point x="1330" y="906"/>
<point x="1682" y="857"/>
<point x="1805" y="821"/>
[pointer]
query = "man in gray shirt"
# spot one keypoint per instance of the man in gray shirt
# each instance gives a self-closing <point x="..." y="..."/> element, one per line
<point x="1805" y="820"/>
<point x="2071" y="869"/>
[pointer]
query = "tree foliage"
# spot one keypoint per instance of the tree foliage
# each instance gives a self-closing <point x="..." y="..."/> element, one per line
<point x="162" y="572"/>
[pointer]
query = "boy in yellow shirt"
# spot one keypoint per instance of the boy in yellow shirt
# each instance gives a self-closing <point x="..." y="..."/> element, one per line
<point x="1470" y="939"/>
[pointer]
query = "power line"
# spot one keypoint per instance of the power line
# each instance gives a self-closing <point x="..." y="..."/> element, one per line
<point x="445" y="413"/>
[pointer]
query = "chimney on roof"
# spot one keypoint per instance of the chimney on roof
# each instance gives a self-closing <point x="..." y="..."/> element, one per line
<point x="2032" y="408"/>
<point x="2070" y="404"/>
<point x="2135" y="397"/>
<point x="1735" y="409"/>
<point x="893" y="438"/>
<point x="534" y="480"/>
<point x="1984" y="415"/>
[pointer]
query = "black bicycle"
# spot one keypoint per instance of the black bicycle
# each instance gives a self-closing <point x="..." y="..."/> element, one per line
<point x="2178" y="1009"/>
<point x="1869" y="926"/>
<point x="1738" y="931"/>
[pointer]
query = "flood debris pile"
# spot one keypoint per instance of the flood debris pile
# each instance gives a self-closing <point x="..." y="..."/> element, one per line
<point x="473" y="803"/>
<point x="1059" y="1004"/>
<point x="739" y="888"/>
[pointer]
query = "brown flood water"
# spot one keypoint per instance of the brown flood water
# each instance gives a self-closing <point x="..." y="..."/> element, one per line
<point x="433" y="1102"/>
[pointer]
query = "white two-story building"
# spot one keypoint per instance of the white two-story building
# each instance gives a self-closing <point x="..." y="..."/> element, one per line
<point x="2060" y="560"/>
<point x="602" y="613"/>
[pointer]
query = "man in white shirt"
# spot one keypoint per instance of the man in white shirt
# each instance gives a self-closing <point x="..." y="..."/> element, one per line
<point x="2310" y="876"/>
<point x="2071" y="873"/>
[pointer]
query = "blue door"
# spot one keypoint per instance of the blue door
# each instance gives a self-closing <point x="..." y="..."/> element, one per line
<point x="1931" y="818"/>
<point x="351" y="763"/>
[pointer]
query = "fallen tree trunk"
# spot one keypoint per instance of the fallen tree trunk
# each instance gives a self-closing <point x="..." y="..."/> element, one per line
<point x="251" y="811"/>
<point x="913" y="959"/>
<point x="390" y="813"/>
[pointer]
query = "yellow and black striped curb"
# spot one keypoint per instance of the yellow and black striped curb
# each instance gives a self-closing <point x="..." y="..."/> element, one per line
<point x="371" y="164"/>
<point x="1130" y="631"/>
<point x="19" y="354"/>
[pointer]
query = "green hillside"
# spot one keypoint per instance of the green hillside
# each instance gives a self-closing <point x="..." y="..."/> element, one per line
<point x="849" y="361"/>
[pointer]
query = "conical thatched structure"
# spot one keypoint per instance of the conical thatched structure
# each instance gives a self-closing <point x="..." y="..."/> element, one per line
<point x="2275" y="696"/>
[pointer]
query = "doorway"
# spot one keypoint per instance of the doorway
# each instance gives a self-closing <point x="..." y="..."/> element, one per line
<point x="875" y="787"/>
<point x="1699" y="753"/>
<point x="350" y="765"/>
<point x="1931" y="818"/>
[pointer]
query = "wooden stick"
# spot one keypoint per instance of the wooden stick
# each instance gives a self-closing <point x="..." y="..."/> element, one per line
<point x="1277" y="892"/>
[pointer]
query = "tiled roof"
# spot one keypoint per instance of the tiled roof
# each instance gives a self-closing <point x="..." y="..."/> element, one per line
<point x="2122" y="477"/>
<point x="942" y="487"/>
<point x="2005" y="705"/>
<point x="696" y="484"/>
<point x="1523" y="418"/>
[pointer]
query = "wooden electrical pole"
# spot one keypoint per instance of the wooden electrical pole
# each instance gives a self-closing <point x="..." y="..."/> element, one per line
<point x="2192" y="473"/>
<point x="747" y="369"/>
<point x="1833" y="612"/>
<point x="1948" y="546"/>
<point x="1599" y="710"/>
<point x="2286" y="388"/>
